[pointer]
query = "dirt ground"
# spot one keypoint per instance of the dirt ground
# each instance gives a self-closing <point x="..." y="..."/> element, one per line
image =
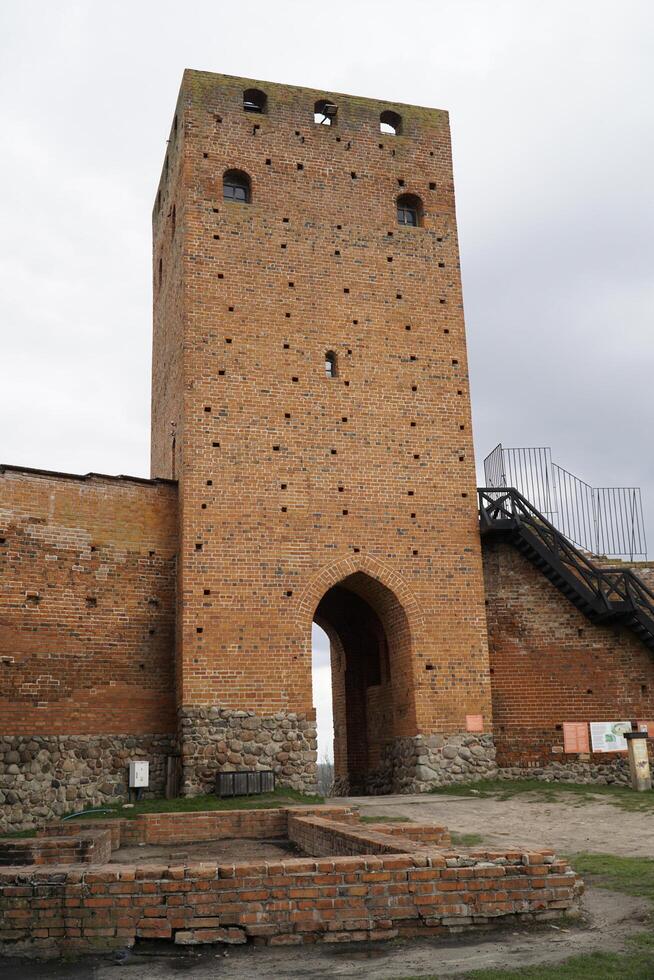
<point x="568" y="826"/>
<point x="608" y="918"/>
<point x="232" y="850"/>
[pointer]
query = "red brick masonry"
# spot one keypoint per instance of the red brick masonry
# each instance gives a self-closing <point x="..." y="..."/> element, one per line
<point x="423" y="890"/>
<point x="88" y="847"/>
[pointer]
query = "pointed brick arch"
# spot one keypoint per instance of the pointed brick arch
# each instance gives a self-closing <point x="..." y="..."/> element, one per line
<point x="340" y="569"/>
<point x="375" y="627"/>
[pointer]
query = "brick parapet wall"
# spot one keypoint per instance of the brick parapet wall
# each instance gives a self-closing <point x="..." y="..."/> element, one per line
<point x="64" y="910"/>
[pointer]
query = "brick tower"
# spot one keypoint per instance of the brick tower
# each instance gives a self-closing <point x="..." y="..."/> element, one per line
<point x="310" y="395"/>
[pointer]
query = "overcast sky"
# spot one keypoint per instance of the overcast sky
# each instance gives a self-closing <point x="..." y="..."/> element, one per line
<point x="551" y="113"/>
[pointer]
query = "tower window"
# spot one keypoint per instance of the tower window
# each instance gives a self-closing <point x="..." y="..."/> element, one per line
<point x="236" y="186"/>
<point x="409" y="210"/>
<point x="330" y="364"/>
<point x="390" y="122"/>
<point x="254" y="100"/>
<point x="324" y="113"/>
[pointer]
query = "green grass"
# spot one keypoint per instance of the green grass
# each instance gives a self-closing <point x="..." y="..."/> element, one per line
<point x="282" y="796"/>
<point x="466" y="840"/>
<point x="632" y="876"/>
<point x="384" y="819"/>
<point x="580" y="793"/>
<point x="18" y="833"/>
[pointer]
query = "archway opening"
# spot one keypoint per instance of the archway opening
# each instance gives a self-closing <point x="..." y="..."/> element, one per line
<point x="321" y="678"/>
<point x="372" y="681"/>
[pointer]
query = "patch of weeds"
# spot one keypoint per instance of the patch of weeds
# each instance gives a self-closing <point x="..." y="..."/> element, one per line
<point x="15" y="834"/>
<point x="551" y="792"/>
<point x="466" y="840"/>
<point x="587" y="966"/>
<point x="282" y="796"/>
<point x="634" y="876"/>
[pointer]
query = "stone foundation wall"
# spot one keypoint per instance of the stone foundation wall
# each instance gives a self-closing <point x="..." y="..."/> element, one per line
<point x="615" y="771"/>
<point x="414" y="765"/>
<point x="46" y="776"/>
<point x="419" y="763"/>
<point x="222" y="740"/>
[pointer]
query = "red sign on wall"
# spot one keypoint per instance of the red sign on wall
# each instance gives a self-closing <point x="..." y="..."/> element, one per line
<point x="575" y="736"/>
<point x="474" y="723"/>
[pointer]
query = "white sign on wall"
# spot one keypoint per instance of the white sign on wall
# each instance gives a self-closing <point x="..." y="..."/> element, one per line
<point x="608" y="736"/>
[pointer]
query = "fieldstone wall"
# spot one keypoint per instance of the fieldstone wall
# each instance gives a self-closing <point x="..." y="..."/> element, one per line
<point x="45" y="776"/>
<point x="415" y="765"/>
<point x="425" y="761"/>
<point x="614" y="771"/>
<point x="219" y="739"/>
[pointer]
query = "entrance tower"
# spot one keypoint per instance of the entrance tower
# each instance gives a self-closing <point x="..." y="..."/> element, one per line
<point x="310" y="394"/>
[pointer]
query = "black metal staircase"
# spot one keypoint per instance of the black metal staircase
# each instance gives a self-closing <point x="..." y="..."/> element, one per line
<point x="603" y="594"/>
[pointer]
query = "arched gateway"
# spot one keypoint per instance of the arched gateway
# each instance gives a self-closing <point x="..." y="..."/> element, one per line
<point x="373" y="680"/>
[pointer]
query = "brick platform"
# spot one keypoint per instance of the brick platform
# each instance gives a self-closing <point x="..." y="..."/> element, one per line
<point x="409" y="887"/>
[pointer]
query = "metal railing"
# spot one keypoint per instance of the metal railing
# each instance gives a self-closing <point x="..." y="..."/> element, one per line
<point x="604" y="521"/>
<point x="612" y="589"/>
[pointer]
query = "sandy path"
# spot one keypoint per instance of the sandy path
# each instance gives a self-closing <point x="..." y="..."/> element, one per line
<point x="566" y="826"/>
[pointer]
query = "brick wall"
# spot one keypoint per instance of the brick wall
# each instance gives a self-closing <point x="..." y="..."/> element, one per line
<point x="63" y="909"/>
<point x="87" y="604"/>
<point x="175" y="828"/>
<point x="319" y="837"/>
<point x="90" y="847"/>
<point x="551" y="665"/>
<point x="87" y="610"/>
<point x="250" y="298"/>
<point x="415" y="832"/>
<point x="180" y="828"/>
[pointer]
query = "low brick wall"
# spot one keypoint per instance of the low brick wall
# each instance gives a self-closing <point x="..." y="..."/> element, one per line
<point x="72" y="828"/>
<point x="319" y="837"/>
<point x="360" y="882"/>
<point x="182" y="828"/>
<point x="54" y="911"/>
<point x="418" y="833"/>
<point x="91" y="847"/>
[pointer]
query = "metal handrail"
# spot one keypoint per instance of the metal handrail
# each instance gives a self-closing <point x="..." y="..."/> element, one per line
<point x="601" y="520"/>
<point x="615" y="589"/>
